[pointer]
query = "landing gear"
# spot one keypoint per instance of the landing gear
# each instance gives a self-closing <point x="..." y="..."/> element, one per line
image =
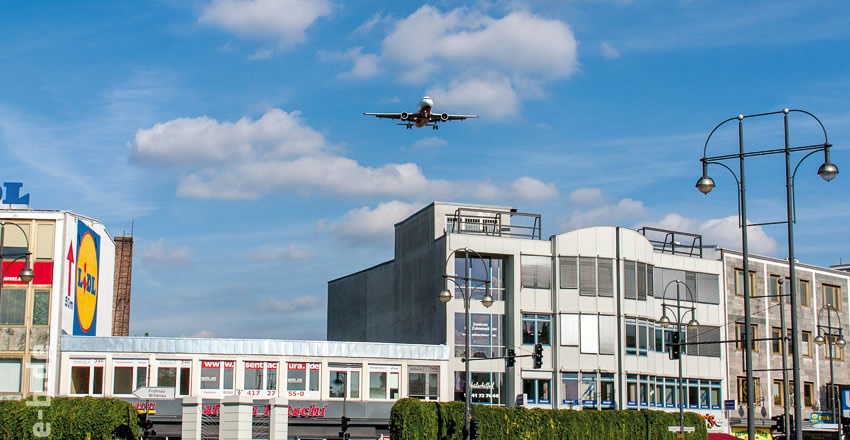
<point x="436" y="127"/>
<point x="409" y="126"/>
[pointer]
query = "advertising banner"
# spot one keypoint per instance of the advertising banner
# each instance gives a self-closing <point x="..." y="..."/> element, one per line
<point x="87" y="281"/>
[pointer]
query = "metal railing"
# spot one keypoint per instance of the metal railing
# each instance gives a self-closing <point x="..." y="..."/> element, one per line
<point x="673" y="242"/>
<point x="489" y="222"/>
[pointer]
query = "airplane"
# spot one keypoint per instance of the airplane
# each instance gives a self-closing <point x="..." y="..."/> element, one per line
<point x="423" y="116"/>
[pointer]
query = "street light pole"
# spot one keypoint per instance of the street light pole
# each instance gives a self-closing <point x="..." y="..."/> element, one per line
<point x="832" y="338"/>
<point x="487" y="301"/>
<point x="26" y="275"/>
<point x="680" y="317"/>
<point x="705" y="184"/>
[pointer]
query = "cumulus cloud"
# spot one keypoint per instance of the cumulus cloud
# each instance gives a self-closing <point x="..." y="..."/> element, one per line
<point x="163" y="252"/>
<point x="365" y="65"/>
<point x="494" y="97"/>
<point x="281" y="20"/>
<point x="586" y="196"/>
<point x="607" y="214"/>
<point x="298" y="304"/>
<point x="723" y="232"/>
<point x="366" y="226"/>
<point x="280" y="153"/>
<point x="276" y="252"/>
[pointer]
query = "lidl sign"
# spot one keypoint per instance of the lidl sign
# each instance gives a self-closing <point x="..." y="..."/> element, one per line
<point x="12" y="194"/>
<point x="87" y="279"/>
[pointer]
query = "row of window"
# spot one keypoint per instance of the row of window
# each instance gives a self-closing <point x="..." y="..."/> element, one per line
<point x="831" y="294"/>
<point x="580" y="388"/>
<point x="260" y="379"/>
<point x="779" y="394"/>
<point x="15" y="241"/>
<point x="776" y="344"/>
<point x="663" y="392"/>
<point x="13" y="307"/>
<point x="643" y="336"/>
<point x="11" y="377"/>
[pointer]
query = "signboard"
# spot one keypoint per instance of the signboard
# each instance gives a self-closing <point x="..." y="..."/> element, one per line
<point x="729" y="405"/>
<point x="845" y="402"/>
<point x="12" y="196"/>
<point x="87" y="281"/>
<point x="677" y="429"/>
<point x="821" y="417"/>
<point x="761" y="433"/>
<point x="154" y="393"/>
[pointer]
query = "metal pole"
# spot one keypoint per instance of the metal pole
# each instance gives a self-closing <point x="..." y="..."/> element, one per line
<point x="466" y="297"/>
<point x="795" y="329"/>
<point x="784" y="347"/>
<point x="748" y="350"/>
<point x="681" y="388"/>
<point x="831" y="342"/>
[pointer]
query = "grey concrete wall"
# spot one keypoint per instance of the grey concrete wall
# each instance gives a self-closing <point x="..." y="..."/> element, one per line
<point x="357" y="305"/>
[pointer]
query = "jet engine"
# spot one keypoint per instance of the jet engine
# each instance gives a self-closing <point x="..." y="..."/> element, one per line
<point x="444" y="117"/>
<point x="404" y="116"/>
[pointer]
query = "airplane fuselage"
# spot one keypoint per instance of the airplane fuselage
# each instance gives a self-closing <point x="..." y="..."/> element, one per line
<point x="423" y="114"/>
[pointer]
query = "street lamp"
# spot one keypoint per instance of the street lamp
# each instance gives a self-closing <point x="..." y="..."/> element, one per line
<point x="26" y="275"/>
<point x="679" y="320"/>
<point x="705" y="184"/>
<point x="834" y="337"/>
<point x="466" y="288"/>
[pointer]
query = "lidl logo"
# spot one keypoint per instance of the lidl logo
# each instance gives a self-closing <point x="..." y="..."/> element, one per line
<point x="88" y="257"/>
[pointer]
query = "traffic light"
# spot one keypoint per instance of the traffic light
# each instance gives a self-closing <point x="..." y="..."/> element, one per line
<point x="344" y="427"/>
<point x="474" y="429"/>
<point x="145" y="425"/>
<point x="510" y="359"/>
<point x="778" y="423"/>
<point x="674" y="348"/>
<point x="538" y="356"/>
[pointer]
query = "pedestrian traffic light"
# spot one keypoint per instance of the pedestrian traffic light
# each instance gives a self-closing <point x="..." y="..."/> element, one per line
<point x="538" y="356"/>
<point x="474" y="429"/>
<point x="674" y="348"/>
<point x="778" y="423"/>
<point x="510" y="359"/>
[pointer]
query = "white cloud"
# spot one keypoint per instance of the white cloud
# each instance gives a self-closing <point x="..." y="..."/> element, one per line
<point x="493" y="97"/>
<point x="164" y="253"/>
<point x="586" y="196"/>
<point x="279" y="153"/>
<point x="723" y="232"/>
<point x="608" y="51"/>
<point x="276" y="252"/>
<point x="369" y="24"/>
<point x="367" y="226"/>
<point x="365" y="65"/>
<point x="624" y="210"/>
<point x="298" y="304"/>
<point x="429" y="143"/>
<point x="282" y="20"/>
<point x="261" y="54"/>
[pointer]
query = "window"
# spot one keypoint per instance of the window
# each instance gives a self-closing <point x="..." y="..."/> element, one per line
<point x="260" y="378"/>
<point x="715" y="400"/>
<point x="631" y="390"/>
<point x="589" y="333"/>
<point x="607" y="390"/>
<point x="537" y="390"/>
<point x="217" y="378"/>
<point x="693" y="393"/>
<point x="38" y="375"/>
<point x="40" y="307"/>
<point x="608" y="334"/>
<point x="423" y="382"/>
<point x="486" y="387"/>
<point x="174" y="373"/>
<point x="739" y="283"/>
<point x="659" y="339"/>
<point x="12" y="306"/>
<point x="775" y="288"/>
<point x="44" y="241"/>
<point x="631" y="336"/>
<point x="10" y="375"/>
<point x="87" y="376"/>
<point x="742" y="389"/>
<point x="478" y="268"/>
<point x="128" y="375"/>
<point x="805" y="293"/>
<point x="778" y="392"/>
<point x="588" y="389"/>
<point x="15" y="241"/>
<point x="587" y="276"/>
<point x="605" y="276"/>
<point x="808" y="393"/>
<point x="831" y="296"/>
<point x="776" y="340"/>
<point x="486" y="340"/>
<point x="568" y="272"/>
<point x="629" y="279"/>
<point x="642" y="339"/>
<point x="384" y="381"/>
<point x="671" y="392"/>
<point x="535" y="271"/>
<point x="641" y="281"/>
<point x="302" y="380"/>
<point x="739" y="336"/>
<point x="806" y="343"/>
<point x="836" y="397"/>
<point x="344" y="382"/>
<point x="569" y="329"/>
<point x="569" y="382"/>
<point x="836" y="352"/>
<point x="535" y="329"/>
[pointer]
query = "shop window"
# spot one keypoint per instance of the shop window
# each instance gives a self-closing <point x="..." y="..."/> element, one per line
<point x="588" y="390"/>
<point x="659" y="392"/>
<point x="486" y="388"/>
<point x="632" y="390"/>
<point x="217" y="378"/>
<point x="260" y="378"/>
<point x="535" y="328"/>
<point x="832" y="296"/>
<point x="535" y="271"/>
<point x="176" y="374"/>
<point x="805" y="293"/>
<point x="344" y="381"/>
<point x="38" y="375"/>
<point x="87" y="376"/>
<point x="384" y="382"/>
<point x="423" y="382"/>
<point x="644" y="391"/>
<point x="13" y="305"/>
<point x="569" y="382"/>
<point x="715" y="398"/>
<point x="40" y="307"/>
<point x="693" y="394"/>
<point x="671" y="392"/>
<point x="128" y="375"/>
<point x="607" y="390"/>
<point x="739" y="283"/>
<point x="537" y="391"/>
<point x="302" y="380"/>
<point x="486" y="340"/>
<point x="10" y="375"/>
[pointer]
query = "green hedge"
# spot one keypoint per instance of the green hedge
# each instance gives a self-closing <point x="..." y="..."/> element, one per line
<point x="412" y="419"/>
<point x="84" y="418"/>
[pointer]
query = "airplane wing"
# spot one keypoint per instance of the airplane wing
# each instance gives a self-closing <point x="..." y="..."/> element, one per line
<point x="439" y="117"/>
<point x="385" y="115"/>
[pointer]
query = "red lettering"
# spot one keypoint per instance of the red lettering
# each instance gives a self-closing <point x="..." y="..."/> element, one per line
<point x="314" y="410"/>
<point x="322" y="411"/>
<point x="266" y="413"/>
<point x="294" y="411"/>
<point x="299" y="366"/>
<point x="210" y="364"/>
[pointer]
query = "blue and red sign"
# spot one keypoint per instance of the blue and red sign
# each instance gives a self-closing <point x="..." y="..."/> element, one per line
<point x="87" y="281"/>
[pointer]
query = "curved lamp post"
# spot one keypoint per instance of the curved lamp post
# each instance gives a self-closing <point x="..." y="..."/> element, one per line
<point x="679" y="319"/>
<point x="26" y="275"/>
<point x="834" y="337"/>
<point x="705" y="184"/>
<point x="466" y="288"/>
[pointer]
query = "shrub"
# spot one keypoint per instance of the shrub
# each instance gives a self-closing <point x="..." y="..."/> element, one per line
<point x="85" y="418"/>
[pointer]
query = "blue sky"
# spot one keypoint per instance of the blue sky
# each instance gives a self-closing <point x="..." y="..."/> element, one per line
<point x="230" y="132"/>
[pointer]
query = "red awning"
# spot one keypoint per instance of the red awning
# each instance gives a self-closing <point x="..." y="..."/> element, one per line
<point x="721" y="436"/>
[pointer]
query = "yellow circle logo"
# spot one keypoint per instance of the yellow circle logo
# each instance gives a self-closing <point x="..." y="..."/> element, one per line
<point x="86" y="281"/>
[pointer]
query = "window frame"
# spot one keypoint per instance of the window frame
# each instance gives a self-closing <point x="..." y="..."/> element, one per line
<point x="432" y="376"/>
<point x="537" y="384"/>
<point x="134" y="365"/>
<point x="269" y="369"/>
<point x="350" y="384"/>
<point x="390" y="372"/>
<point x="222" y="366"/>
<point x="805" y="295"/>
<point x="180" y="367"/>
<point x="537" y="320"/>
<point x="835" y="297"/>
<point x="739" y="291"/>
<point x="806" y="342"/>
<point x="92" y="365"/>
